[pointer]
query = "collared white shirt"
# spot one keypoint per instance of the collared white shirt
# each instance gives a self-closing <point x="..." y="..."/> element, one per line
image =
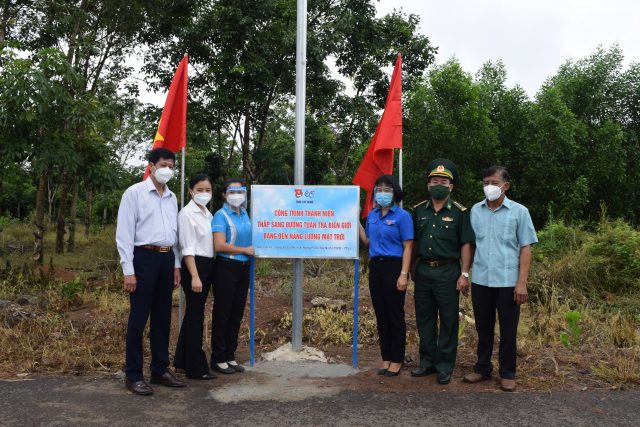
<point x="145" y="218"/>
<point x="194" y="231"/>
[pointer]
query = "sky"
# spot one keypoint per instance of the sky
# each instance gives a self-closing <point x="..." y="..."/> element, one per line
<point x="532" y="37"/>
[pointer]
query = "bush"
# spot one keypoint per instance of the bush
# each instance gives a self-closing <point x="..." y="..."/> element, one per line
<point x="575" y="260"/>
<point x="557" y="238"/>
<point x="614" y="253"/>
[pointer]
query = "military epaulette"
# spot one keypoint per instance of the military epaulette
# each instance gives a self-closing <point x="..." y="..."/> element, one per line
<point x="459" y="206"/>
<point x="422" y="202"/>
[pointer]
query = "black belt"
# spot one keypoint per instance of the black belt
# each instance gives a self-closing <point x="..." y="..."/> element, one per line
<point x="235" y="261"/>
<point x="161" y="249"/>
<point x="437" y="262"/>
<point x="385" y="258"/>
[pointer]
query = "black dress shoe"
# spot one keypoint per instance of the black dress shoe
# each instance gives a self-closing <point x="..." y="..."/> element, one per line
<point x="237" y="367"/>
<point x="138" y="387"/>
<point x="382" y="371"/>
<point x="392" y="374"/>
<point x="444" y="378"/>
<point x="423" y="372"/>
<point x="202" y="377"/>
<point x="167" y="379"/>
<point x="227" y="370"/>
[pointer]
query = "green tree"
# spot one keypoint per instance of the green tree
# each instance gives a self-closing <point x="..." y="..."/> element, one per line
<point x="243" y="53"/>
<point x="35" y="105"/>
<point x="446" y="117"/>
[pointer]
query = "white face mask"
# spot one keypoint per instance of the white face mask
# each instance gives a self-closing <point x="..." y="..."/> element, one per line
<point x="235" y="199"/>
<point x="163" y="175"/>
<point x="492" y="192"/>
<point x="202" y="198"/>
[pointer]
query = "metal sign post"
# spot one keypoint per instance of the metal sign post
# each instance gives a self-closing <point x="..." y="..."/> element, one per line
<point x="301" y="64"/>
<point x="252" y="311"/>
<point x="356" y="279"/>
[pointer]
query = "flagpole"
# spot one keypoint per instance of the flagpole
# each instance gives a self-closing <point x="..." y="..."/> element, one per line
<point x="181" y="206"/>
<point x="301" y="63"/>
<point x="400" y="172"/>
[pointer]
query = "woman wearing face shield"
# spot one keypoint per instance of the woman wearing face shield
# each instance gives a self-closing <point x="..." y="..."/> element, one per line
<point x="231" y="228"/>
<point x="389" y="235"/>
<point x="196" y="247"/>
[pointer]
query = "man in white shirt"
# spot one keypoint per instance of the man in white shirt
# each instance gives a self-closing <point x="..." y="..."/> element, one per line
<point x="147" y="242"/>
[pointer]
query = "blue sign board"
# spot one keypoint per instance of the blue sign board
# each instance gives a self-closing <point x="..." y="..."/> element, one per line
<point x="306" y="221"/>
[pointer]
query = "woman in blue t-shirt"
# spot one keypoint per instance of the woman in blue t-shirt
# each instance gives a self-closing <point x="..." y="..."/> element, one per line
<point x="389" y="235"/>
<point x="231" y="230"/>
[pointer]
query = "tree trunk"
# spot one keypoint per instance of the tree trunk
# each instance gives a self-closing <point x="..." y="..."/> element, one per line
<point x="71" y="242"/>
<point x="4" y="22"/>
<point x="38" y="221"/>
<point x="64" y="189"/>
<point x="51" y="198"/>
<point x="246" y="138"/>
<point x="87" y="211"/>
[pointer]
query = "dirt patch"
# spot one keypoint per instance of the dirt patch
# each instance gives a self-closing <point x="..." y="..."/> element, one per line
<point x="82" y="314"/>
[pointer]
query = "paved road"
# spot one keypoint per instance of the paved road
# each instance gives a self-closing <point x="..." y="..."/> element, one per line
<point x="87" y="402"/>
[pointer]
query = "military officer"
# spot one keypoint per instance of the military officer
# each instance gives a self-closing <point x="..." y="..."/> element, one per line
<point x="441" y="263"/>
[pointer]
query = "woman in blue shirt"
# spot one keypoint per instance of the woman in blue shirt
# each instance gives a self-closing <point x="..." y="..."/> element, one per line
<point x="231" y="230"/>
<point x="389" y="235"/>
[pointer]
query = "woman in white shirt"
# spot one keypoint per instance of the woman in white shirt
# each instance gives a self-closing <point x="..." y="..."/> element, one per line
<point x="196" y="247"/>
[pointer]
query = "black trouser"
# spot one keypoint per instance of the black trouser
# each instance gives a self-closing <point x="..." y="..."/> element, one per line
<point x="486" y="300"/>
<point x="154" y="276"/>
<point x="230" y="287"/>
<point x="388" y="304"/>
<point x="189" y="353"/>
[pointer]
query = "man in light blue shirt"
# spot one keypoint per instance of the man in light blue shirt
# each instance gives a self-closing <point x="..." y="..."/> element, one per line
<point x="504" y="235"/>
<point x="147" y="241"/>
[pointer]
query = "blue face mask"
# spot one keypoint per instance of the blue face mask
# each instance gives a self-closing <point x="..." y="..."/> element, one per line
<point x="384" y="199"/>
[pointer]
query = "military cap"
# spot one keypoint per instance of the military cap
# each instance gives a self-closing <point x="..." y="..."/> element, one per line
<point x="443" y="167"/>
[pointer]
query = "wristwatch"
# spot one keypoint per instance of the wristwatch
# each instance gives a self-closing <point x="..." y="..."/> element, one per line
<point x="465" y="274"/>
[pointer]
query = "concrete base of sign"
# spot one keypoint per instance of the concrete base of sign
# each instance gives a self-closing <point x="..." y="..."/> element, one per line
<point x="285" y="353"/>
<point x="285" y="375"/>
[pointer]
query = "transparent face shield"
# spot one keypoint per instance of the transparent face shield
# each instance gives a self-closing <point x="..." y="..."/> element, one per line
<point x="233" y="192"/>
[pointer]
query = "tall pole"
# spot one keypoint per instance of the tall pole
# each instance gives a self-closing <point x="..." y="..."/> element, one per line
<point x="400" y="172"/>
<point x="301" y="69"/>
<point x="181" y="206"/>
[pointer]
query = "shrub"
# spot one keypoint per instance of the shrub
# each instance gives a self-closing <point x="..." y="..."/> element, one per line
<point x="558" y="238"/>
<point x="614" y="253"/>
<point x="577" y="261"/>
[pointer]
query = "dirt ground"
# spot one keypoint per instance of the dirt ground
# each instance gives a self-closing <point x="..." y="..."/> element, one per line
<point x="540" y="372"/>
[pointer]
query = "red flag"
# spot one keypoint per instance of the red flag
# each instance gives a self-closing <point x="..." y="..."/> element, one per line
<point x="378" y="159"/>
<point x="172" y="127"/>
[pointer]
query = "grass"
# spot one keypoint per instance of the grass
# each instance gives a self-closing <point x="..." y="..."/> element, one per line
<point x="79" y="323"/>
<point x="95" y="256"/>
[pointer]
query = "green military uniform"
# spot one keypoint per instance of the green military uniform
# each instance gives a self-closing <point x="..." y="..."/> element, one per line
<point x="439" y="237"/>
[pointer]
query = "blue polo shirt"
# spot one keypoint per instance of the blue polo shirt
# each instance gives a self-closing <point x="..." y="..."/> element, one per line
<point x="386" y="233"/>
<point x="237" y="229"/>
<point x="499" y="236"/>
